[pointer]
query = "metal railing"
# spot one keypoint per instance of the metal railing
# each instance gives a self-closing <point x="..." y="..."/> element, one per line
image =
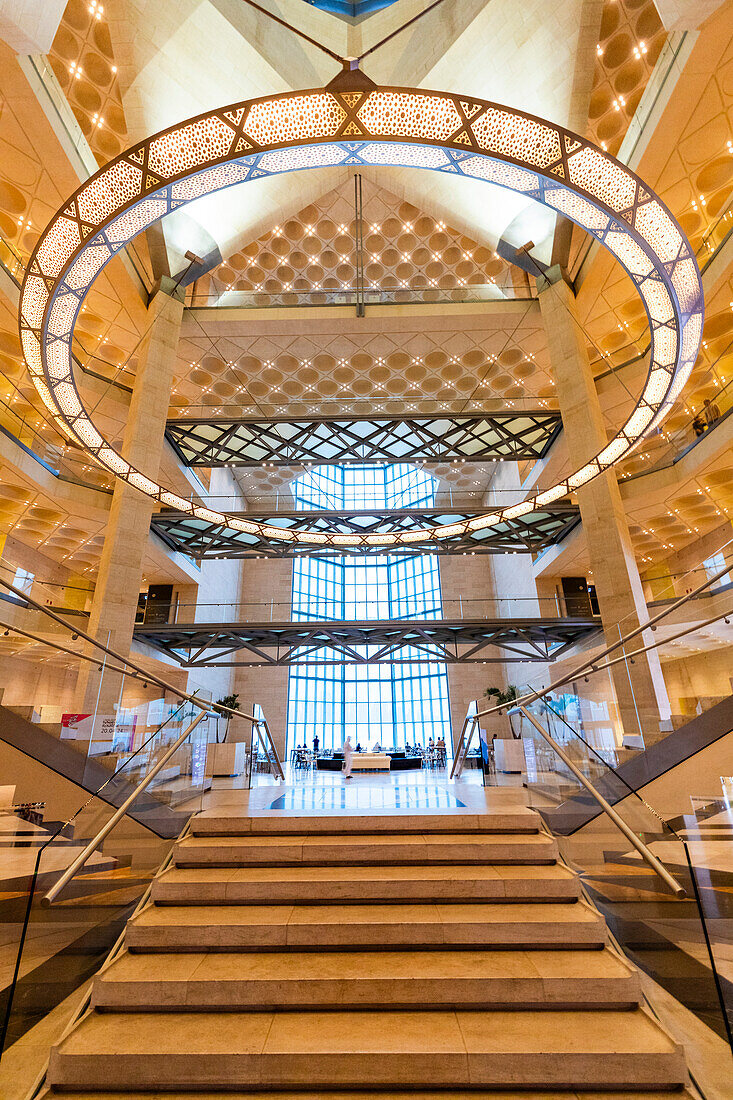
<point x="125" y="666"/>
<point x="138" y="671"/>
<point x="646" y="854"/>
<point x="356" y="295"/>
<point x="599" y="662"/>
<point x="107" y="828"/>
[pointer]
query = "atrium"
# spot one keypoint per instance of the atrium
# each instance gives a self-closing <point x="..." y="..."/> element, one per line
<point x="366" y="536"/>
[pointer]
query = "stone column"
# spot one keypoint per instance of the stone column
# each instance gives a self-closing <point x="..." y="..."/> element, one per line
<point x="120" y="570"/>
<point x="615" y="572"/>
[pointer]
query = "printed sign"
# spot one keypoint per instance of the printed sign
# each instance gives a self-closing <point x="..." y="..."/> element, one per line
<point x="106" y="732"/>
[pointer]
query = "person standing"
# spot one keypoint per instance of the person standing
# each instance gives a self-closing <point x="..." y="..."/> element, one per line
<point x="348" y="754"/>
<point x="711" y="412"/>
<point x="316" y="744"/>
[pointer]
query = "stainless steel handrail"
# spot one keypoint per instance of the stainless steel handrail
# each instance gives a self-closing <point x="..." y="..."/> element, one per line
<point x="271" y="741"/>
<point x="107" y="828"/>
<point x="142" y="673"/>
<point x="594" y="665"/>
<point x="646" y="854"/>
<point x="459" y="756"/>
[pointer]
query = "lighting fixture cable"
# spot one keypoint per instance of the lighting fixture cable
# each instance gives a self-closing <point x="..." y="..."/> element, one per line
<point x="399" y="30"/>
<point x="301" y="34"/>
<point x="344" y="61"/>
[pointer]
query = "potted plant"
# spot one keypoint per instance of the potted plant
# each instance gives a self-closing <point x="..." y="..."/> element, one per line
<point x="232" y="703"/>
<point x="509" y="694"/>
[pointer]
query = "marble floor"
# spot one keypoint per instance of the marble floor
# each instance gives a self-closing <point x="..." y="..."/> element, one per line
<point x="318" y="792"/>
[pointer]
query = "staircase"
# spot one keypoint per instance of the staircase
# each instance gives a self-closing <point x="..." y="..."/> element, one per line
<point x="405" y="955"/>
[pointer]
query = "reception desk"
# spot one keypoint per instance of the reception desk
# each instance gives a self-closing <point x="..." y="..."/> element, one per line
<point x="370" y="762"/>
<point x="365" y="761"/>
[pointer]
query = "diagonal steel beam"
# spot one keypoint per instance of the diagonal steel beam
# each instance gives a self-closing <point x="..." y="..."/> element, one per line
<point x="222" y="441"/>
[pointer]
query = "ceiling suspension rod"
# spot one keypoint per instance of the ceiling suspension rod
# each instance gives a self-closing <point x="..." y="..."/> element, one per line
<point x="301" y="34"/>
<point x="399" y="30"/>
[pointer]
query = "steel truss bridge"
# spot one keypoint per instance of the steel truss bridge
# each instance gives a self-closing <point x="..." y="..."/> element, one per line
<point x="495" y="437"/>
<point x="199" y="539"/>
<point x="244" y="644"/>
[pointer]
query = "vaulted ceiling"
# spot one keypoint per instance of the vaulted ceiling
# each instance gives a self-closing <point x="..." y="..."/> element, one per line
<point x="127" y="69"/>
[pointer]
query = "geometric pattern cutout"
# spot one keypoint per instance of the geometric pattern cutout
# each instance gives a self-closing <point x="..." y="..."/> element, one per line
<point x="529" y="534"/>
<point x="507" y="436"/>
<point x="388" y="126"/>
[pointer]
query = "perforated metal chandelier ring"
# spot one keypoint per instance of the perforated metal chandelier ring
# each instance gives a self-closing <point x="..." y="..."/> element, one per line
<point x="373" y="126"/>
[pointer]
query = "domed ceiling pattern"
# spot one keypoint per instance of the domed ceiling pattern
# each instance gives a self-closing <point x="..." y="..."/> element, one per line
<point x="630" y="41"/>
<point x="406" y="254"/>
<point x="82" y="59"/>
<point x="403" y="366"/>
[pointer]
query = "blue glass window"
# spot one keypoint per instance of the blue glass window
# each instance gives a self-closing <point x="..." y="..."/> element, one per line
<point x="350" y="8"/>
<point x="391" y="703"/>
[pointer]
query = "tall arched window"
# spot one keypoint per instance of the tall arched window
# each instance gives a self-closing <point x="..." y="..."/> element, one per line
<point x="390" y="703"/>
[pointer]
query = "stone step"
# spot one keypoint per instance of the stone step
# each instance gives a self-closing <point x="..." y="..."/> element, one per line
<point x="230" y="822"/>
<point x="391" y="1094"/>
<point x="366" y="1050"/>
<point x="380" y="848"/>
<point x="437" y="882"/>
<point x="366" y="980"/>
<point x="323" y="927"/>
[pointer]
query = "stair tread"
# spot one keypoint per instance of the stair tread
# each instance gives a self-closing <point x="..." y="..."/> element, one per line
<point x="358" y="883"/>
<point x="392" y="872"/>
<point x="366" y="980"/>
<point x="367" y="848"/>
<point x="564" y="924"/>
<point x="377" y="839"/>
<point x="375" y="1032"/>
<point x="220" y="822"/>
<point x="199" y="916"/>
<point x="368" y="1049"/>
<point x="284" y="966"/>
<point x="361" y="1094"/>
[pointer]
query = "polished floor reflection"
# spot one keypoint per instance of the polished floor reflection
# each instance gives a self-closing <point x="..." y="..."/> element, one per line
<point x="367" y="799"/>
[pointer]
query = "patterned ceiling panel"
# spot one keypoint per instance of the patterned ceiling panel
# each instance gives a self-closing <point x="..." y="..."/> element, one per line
<point x="406" y="255"/>
<point x="408" y="365"/>
<point x="82" y="59"/>
<point x="630" y="42"/>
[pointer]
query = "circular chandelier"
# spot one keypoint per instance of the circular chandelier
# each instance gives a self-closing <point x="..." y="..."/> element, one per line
<point x="354" y="122"/>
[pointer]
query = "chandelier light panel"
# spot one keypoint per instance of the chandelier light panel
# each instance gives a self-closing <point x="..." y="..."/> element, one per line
<point x="374" y="126"/>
